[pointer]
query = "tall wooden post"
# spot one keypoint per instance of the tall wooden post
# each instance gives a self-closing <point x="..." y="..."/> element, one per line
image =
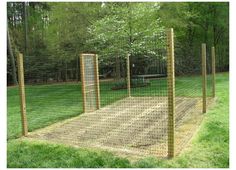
<point x="128" y="74"/>
<point x="171" y="92"/>
<point x="97" y="81"/>
<point x="213" y="71"/>
<point x="82" y="81"/>
<point x="22" y="94"/>
<point x="204" y="83"/>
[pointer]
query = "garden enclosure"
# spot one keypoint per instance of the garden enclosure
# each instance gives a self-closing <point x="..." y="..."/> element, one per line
<point x="145" y="107"/>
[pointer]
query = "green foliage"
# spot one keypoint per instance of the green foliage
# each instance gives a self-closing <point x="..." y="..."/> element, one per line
<point x="195" y="23"/>
<point x="67" y="30"/>
<point x="138" y="82"/>
<point x="127" y="27"/>
<point x="57" y="32"/>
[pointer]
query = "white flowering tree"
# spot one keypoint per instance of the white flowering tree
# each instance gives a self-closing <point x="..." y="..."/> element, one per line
<point x="133" y="28"/>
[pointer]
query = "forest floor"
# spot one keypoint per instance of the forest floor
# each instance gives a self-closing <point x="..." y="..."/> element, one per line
<point x="209" y="147"/>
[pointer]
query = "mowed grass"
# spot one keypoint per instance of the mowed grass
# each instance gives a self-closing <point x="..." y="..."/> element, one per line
<point x="210" y="147"/>
<point x="48" y="104"/>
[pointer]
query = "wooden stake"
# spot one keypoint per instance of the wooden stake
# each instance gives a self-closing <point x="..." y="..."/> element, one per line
<point x="96" y="73"/>
<point x="204" y="78"/>
<point x="171" y="92"/>
<point x="213" y="71"/>
<point x="22" y="94"/>
<point x="82" y="81"/>
<point x="128" y="74"/>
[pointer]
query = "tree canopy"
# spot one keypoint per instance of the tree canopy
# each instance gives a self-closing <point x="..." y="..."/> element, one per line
<point x="52" y="34"/>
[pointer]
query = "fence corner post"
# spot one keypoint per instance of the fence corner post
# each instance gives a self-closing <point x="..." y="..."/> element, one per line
<point x="22" y="94"/>
<point x="213" y="59"/>
<point x="204" y="83"/>
<point x="171" y="92"/>
<point x="96" y="69"/>
<point x="82" y="81"/>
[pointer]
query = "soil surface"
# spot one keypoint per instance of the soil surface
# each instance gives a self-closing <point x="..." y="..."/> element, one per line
<point x="132" y="126"/>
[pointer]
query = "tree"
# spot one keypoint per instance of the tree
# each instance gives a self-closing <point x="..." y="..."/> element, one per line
<point x="12" y="58"/>
<point x="133" y="28"/>
<point x="53" y="35"/>
<point x="195" y="23"/>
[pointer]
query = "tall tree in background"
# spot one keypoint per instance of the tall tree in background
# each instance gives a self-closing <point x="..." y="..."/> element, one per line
<point x="53" y="34"/>
<point x="195" y="23"/>
<point x="12" y="58"/>
<point x="25" y="4"/>
<point x="67" y="33"/>
<point x="14" y="23"/>
<point x="20" y="31"/>
<point x="126" y="28"/>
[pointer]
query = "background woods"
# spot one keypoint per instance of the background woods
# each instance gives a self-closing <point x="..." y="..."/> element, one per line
<point x="51" y="36"/>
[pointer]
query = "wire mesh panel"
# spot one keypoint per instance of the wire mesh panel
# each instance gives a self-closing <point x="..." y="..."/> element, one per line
<point x="52" y="92"/>
<point x="89" y="80"/>
<point x="132" y="122"/>
<point x="189" y="91"/>
<point x="148" y="79"/>
<point x="142" y="112"/>
<point x="209" y="72"/>
<point x="146" y="93"/>
<point x="113" y="83"/>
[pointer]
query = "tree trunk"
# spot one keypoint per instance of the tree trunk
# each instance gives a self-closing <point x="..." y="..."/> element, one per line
<point x="59" y="76"/>
<point x="214" y="27"/>
<point x="66" y="78"/>
<point x="117" y="68"/>
<point x="71" y="74"/>
<point x="26" y="28"/>
<point x="12" y="58"/>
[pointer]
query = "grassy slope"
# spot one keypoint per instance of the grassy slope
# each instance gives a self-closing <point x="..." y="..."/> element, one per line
<point x="209" y="148"/>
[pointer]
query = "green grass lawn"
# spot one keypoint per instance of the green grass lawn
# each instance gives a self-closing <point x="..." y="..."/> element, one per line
<point x="49" y="104"/>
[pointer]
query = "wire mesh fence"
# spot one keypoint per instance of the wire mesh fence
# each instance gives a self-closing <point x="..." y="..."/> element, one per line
<point x="189" y="89"/>
<point x="53" y="93"/>
<point x="124" y="96"/>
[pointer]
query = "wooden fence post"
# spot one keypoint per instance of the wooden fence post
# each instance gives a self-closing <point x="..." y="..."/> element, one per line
<point x="171" y="92"/>
<point x="96" y="70"/>
<point x="204" y="83"/>
<point x="213" y="58"/>
<point x="82" y="81"/>
<point x="128" y="74"/>
<point x="22" y="94"/>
